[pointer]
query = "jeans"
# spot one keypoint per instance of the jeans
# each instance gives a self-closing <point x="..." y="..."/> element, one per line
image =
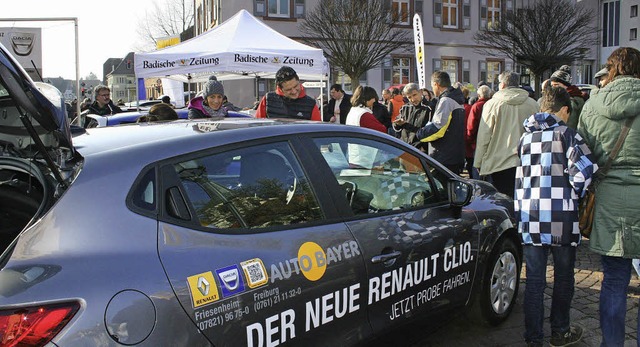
<point x="613" y="300"/>
<point x="564" y="258"/>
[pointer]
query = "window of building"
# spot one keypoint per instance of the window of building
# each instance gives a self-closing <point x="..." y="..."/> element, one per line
<point x="584" y="73"/>
<point x="633" y="34"/>
<point x="452" y="66"/>
<point x="200" y="19"/>
<point x="279" y="8"/>
<point x="345" y="81"/>
<point x="611" y="23"/>
<point x="634" y="11"/>
<point x="450" y="14"/>
<point x="494" y="68"/>
<point x="400" y="11"/>
<point x="525" y="75"/>
<point x="401" y="71"/>
<point x="254" y="187"/>
<point x="494" y="10"/>
<point x="212" y="13"/>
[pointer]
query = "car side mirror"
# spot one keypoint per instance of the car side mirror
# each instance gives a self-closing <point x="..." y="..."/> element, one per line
<point x="459" y="192"/>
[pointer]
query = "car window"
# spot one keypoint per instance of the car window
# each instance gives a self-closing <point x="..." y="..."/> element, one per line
<point x="143" y="195"/>
<point x="254" y="187"/>
<point x="377" y="177"/>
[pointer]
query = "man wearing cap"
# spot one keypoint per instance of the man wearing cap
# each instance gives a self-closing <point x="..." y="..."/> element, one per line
<point x="562" y="78"/>
<point x="601" y="77"/>
<point x="289" y="100"/>
<point x="209" y="104"/>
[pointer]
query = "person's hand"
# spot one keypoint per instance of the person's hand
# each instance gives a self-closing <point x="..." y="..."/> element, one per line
<point x="399" y="122"/>
<point x="333" y="119"/>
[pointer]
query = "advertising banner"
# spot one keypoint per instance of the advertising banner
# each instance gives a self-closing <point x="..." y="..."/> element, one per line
<point x="418" y="37"/>
<point x="25" y="44"/>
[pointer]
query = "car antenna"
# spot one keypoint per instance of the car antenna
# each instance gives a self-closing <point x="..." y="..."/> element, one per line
<point x="37" y="72"/>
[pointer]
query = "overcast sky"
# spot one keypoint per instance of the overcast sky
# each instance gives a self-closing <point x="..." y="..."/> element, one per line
<point x="106" y="29"/>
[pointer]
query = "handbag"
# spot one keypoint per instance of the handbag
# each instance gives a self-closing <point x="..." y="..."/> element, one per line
<point x="587" y="205"/>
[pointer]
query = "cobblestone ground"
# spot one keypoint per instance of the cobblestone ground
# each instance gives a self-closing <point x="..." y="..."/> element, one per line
<point x="584" y="312"/>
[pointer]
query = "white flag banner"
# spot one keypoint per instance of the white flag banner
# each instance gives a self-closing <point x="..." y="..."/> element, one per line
<point x="418" y="38"/>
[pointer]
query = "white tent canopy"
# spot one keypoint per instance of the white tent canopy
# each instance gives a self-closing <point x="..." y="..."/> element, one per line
<point x="241" y="47"/>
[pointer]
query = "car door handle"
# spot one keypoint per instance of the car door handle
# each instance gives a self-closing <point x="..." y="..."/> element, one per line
<point x="382" y="258"/>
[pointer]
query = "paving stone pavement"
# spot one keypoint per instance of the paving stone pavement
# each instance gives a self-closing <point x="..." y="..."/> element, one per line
<point x="584" y="312"/>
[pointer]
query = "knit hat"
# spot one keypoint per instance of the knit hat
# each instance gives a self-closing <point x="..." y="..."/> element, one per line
<point x="562" y="75"/>
<point x="213" y="87"/>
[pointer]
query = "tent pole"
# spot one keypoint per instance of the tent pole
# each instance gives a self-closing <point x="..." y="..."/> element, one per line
<point x="322" y="99"/>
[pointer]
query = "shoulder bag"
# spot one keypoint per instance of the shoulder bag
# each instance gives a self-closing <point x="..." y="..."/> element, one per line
<point x="587" y="205"/>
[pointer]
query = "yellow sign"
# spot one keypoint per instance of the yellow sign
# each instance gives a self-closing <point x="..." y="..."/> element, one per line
<point x="312" y="261"/>
<point x="203" y="289"/>
<point x="167" y="41"/>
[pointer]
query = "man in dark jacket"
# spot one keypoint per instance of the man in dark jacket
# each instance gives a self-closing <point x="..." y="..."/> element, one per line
<point x="103" y="106"/>
<point x="382" y="114"/>
<point x="412" y="117"/>
<point x="339" y="105"/>
<point x="289" y="100"/>
<point x="445" y="131"/>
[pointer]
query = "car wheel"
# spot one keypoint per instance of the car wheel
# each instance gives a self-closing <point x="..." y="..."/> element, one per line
<point x="500" y="285"/>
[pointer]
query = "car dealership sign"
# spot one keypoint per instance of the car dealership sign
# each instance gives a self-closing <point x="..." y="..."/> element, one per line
<point x="26" y="46"/>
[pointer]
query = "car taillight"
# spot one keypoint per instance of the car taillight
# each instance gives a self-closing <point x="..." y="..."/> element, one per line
<point x="34" y="326"/>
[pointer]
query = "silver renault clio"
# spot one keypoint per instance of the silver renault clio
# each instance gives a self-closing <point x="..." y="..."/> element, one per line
<point x="240" y="232"/>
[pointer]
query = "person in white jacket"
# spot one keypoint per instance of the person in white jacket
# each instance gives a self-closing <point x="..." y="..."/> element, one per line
<point x="500" y="130"/>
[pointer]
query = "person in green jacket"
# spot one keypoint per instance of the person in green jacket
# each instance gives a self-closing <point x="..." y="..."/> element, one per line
<point x="616" y="228"/>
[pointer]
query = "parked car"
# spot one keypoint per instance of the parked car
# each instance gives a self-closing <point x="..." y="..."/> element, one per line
<point x="586" y="88"/>
<point x="140" y="104"/>
<point x="237" y="232"/>
<point x="132" y="117"/>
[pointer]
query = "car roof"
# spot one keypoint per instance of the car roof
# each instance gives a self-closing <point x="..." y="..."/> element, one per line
<point x="177" y="137"/>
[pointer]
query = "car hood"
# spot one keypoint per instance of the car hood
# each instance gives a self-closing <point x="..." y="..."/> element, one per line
<point x="33" y="118"/>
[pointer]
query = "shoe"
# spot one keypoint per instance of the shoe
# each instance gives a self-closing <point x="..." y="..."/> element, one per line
<point x="566" y="339"/>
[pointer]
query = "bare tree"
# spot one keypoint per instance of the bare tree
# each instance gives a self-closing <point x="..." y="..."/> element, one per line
<point x="168" y="18"/>
<point x="355" y="35"/>
<point x="546" y="35"/>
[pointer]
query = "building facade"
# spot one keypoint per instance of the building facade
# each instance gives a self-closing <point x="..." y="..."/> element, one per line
<point x="121" y="79"/>
<point x="449" y="27"/>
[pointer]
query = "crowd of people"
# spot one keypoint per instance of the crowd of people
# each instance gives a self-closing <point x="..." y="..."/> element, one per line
<point x="542" y="153"/>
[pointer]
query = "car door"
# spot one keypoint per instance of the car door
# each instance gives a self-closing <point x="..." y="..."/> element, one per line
<point x="252" y="254"/>
<point x="420" y="252"/>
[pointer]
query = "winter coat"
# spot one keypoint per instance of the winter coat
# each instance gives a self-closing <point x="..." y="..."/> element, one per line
<point x="362" y="116"/>
<point x="556" y="167"/>
<point x="415" y="117"/>
<point x="395" y="105"/>
<point x="197" y="110"/>
<point x="304" y="107"/>
<point x="577" y="102"/>
<point x="108" y="109"/>
<point x="473" y="122"/>
<point x="445" y="131"/>
<point x="500" y="129"/>
<point x="616" y="228"/>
